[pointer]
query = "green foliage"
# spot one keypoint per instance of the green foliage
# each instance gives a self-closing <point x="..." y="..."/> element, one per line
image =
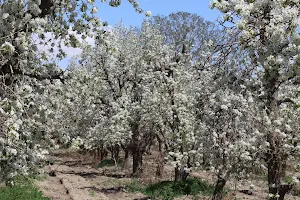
<point x="21" y="193"/>
<point x="22" y="190"/>
<point x="298" y="167"/>
<point x="168" y="190"/>
<point x="135" y="186"/>
<point x="288" y="179"/>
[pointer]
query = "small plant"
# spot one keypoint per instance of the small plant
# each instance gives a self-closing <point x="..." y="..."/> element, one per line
<point x="298" y="167"/>
<point x="135" y="187"/>
<point x="288" y="179"/>
<point x="92" y="193"/>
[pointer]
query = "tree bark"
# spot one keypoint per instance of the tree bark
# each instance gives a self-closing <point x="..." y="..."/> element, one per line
<point x="135" y="146"/>
<point x="218" y="191"/>
<point x="276" y="168"/>
<point x="126" y="160"/>
<point x="103" y="154"/>
<point x="115" y="151"/>
<point x="137" y="167"/>
<point x="180" y="174"/>
<point x="160" y="161"/>
<point x="177" y="174"/>
<point x="283" y="190"/>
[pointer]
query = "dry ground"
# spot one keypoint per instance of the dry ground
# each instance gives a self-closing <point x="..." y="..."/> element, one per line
<point x="77" y="178"/>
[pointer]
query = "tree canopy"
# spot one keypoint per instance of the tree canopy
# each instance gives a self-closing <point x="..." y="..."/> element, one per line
<point x="208" y="98"/>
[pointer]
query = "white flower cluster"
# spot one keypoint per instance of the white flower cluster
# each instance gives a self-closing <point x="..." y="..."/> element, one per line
<point x="130" y="89"/>
<point x="19" y="151"/>
<point x="76" y="143"/>
<point x="268" y="30"/>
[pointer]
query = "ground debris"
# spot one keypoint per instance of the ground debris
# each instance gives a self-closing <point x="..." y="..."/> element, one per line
<point x="146" y="198"/>
<point x="112" y="190"/>
<point x="248" y="192"/>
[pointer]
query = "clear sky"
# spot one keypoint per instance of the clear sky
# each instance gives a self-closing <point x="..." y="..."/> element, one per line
<point x="127" y="14"/>
<point x="162" y="7"/>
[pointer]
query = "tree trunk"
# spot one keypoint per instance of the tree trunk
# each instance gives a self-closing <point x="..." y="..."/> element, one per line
<point x="160" y="161"/>
<point x="177" y="174"/>
<point x="115" y="151"/>
<point x="284" y="189"/>
<point x="276" y="168"/>
<point x="137" y="154"/>
<point x="148" y="148"/>
<point x="126" y="160"/>
<point x="274" y="173"/>
<point x="180" y="174"/>
<point x="137" y="158"/>
<point x="218" y="191"/>
<point x="103" y="154"/>
<point x="93" y="154"/>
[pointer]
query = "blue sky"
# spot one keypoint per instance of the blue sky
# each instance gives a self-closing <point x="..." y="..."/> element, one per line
<point x="163" y="7"/>
<point x="127" y="14"/>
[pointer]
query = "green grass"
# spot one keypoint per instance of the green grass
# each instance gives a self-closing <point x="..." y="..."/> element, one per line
<point x="168" y="190"/>
<point x="288" y="179"/>
<point x="22" y="190"/>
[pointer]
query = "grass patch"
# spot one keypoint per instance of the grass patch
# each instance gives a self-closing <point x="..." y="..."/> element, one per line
<point x="288" y="179"/>
<point x="168" y="190"/>
<point x="21" y="193"/>
<point x="22" y="190"/>
<point x="109" y="163"/>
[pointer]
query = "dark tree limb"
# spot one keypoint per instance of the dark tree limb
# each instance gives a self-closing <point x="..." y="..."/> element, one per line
<point x="286" y="100"/>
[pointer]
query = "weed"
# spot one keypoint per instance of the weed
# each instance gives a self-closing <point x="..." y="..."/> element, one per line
<point x="92" y="193"/>
<point x="288" y="179"/>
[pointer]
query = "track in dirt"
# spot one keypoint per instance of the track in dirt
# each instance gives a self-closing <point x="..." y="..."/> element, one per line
<point x="75" y="179"/>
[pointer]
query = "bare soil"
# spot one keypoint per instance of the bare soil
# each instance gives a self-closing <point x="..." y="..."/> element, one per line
<point x="74" y="176"/>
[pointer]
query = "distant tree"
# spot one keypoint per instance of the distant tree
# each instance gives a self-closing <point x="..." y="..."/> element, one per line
<point x="186" y="32"/>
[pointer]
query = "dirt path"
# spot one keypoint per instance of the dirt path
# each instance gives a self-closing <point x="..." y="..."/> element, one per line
<point x="259" y="191"/>
<point x="75" y="179"/>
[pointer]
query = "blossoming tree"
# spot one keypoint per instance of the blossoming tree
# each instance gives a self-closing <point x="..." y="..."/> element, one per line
<point x="268" y="30"/>
<point x="32" y="35"/>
